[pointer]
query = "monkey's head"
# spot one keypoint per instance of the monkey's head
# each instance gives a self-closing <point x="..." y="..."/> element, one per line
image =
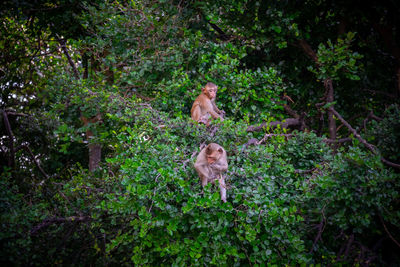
<point x="210" y="90"/>
<point x="213" y="152"/>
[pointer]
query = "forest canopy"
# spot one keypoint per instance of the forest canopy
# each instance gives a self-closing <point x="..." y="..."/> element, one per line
<point x="98" y="148"/>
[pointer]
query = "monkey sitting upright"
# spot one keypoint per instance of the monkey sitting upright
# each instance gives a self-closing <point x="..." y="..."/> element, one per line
<point x="204" y="106"/>
<point x="210" y="164"/>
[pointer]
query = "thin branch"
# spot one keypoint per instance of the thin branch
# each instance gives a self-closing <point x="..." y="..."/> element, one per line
<point x="353" y="131"/>
<point x="391" y="164"/>
<point x="154" y="192"/>
<point x="336" y="141"/>
<point x="303" y="171"/>
<point x="50" y="221"/>
<point x="11" y="158"/>
<point x="373" y="92"/>
<point x="362" y="140"/>
<point x="272" y="135"/>
<point x="321" y="228"/>
<point x="308" y="50"/>
<point x="290" y="122"/>
<point x="27" y="148"/>
<point x="17" y="114"/>
<point x="222" y="34"/>
<point x="70" y="61"/>
<point x="387" y="231"/>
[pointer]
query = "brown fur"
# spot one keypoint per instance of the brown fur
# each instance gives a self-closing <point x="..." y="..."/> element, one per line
<point x="210" y="164"/>
<point x="204" y="106"/>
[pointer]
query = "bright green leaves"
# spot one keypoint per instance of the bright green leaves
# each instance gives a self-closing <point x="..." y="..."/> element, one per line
<point x="337" y="60"/>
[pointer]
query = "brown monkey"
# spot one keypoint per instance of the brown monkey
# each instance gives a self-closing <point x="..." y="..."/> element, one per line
<point x="210" y="164"/>
<point x="204" y="106"/>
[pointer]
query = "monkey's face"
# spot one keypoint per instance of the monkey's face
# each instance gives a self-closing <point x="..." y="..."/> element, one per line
<point x="211" y="160"/>
<point x="210" y="91"/>
<point x="213" y="154"/>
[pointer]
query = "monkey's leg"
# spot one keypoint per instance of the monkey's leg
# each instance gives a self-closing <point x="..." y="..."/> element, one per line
<point x="196" y="112"/>
<point x="222" y="188"/>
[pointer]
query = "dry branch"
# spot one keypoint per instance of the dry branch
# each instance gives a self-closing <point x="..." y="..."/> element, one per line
<point x="288" y="123"/>
<point x="272" y="135"/>
<point x="362" y="140"/>
<point x="71" y="63"/>
<point x="11" y="158"/>
<point x="50" y="221"/>
<point x="336" y="141"/>
<point x="387" y="231"/>
<point x="27" y="148"/>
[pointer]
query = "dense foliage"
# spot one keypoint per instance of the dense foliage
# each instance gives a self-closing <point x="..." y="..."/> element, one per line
<point x="97" y="147"/>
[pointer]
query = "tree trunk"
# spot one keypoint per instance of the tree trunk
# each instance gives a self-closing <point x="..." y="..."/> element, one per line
<point x="94" y="149"/>
<point x="94" y="156"/>
<point x="329" y="99"/>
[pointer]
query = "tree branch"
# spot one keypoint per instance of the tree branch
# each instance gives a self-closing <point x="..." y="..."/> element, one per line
<point x="321" y="227"/>
<point x="50" y="221"/>
<point x="70" y="61"/>
<point x="272" y="135"/>
<point x="387" y="231"/>
<point x="222" y="34"/>
<point x="27" y="148"/>
<point x="336" y="141"/>
<point x="16" y="114"/>
<point x="308" y="50"/>
<point x="362" y="140"/>
<point x="11" y="158"/>
<point x="290" y="122"/>
<point x="329" y="96"/>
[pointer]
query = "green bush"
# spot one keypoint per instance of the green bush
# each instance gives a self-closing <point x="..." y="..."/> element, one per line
<point x="252" y="95"/>
<point x="385" y="134"/>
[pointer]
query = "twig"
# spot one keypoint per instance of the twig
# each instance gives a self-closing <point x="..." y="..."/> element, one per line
<point x="71" y="63"/>
<point x="303" y="171"/>
<point x="271" y="135"/>
<point x="387" y="231"/>
<point x="321" y="227"/>
<point x="50" y="221"/>
<point x="11" y="158"/>
<point x="370" y="116"/>
<point x="154" y="193"/>
<point x="362" y="140"/>
<point x="185" y="162"/>
<point x="381" y="93"/>
<point x="290" y="122"/>
<point x="342" y="140"/>
<point x="26" y="147"/>
<point x="12" y="113"/>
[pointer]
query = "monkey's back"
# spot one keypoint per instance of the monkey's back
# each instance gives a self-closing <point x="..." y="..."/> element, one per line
<point x="198" y="107"/>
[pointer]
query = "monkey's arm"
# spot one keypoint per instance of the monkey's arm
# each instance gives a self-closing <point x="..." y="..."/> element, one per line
<point x="219" y="111"/>
<point x="202" y="168"/>
<point x="219" y="167"/>
<point x="204" y="172"/>
<point x="210" y="109"/>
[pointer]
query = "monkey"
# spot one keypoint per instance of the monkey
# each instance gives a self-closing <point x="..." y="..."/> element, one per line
<point x="204" y="106"/>
<point x="210" y="164"/>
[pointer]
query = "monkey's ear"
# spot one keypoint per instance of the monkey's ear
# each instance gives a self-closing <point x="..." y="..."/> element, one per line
<point x="208" y="150"/>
